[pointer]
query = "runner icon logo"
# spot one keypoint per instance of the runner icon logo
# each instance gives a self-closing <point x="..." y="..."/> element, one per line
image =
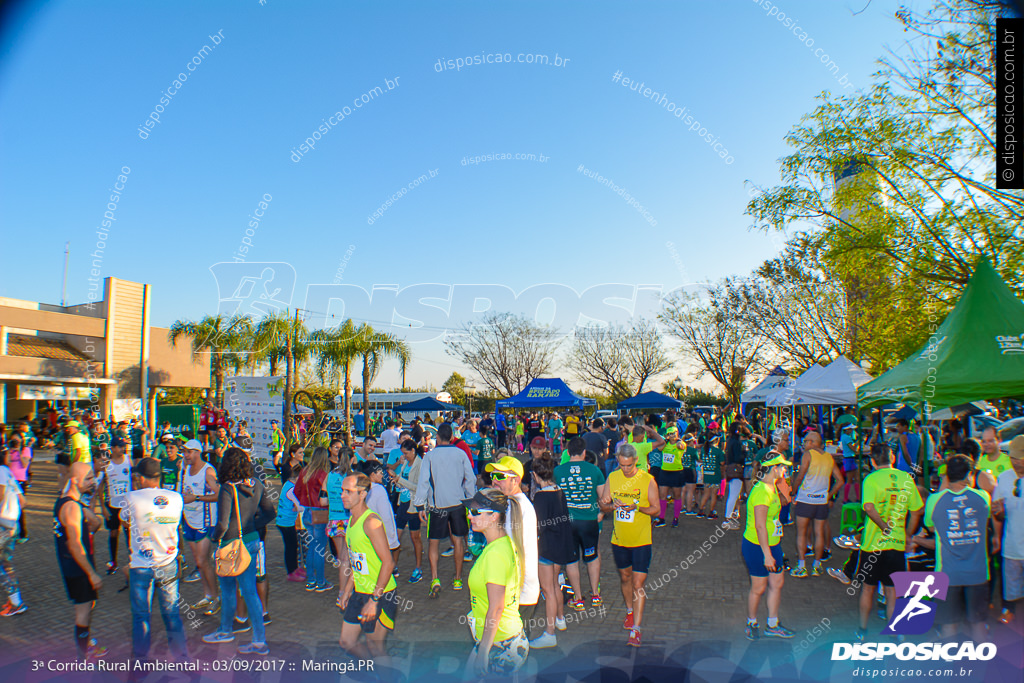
<point x="255" y="288"/>
<point x="914" y="612"/>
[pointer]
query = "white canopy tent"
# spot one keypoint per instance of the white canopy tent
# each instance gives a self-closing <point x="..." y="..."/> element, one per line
<point x="833" y="385"/>
<point x="765" y="388"/>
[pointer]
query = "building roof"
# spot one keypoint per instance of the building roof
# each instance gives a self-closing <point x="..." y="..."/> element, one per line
<point x="31" y="346"/>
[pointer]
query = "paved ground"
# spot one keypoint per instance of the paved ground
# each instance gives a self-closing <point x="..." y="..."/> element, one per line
<point x="694" y="618"/>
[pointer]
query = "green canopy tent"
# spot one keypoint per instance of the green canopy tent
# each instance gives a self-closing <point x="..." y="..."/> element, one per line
<point x="976" y="353"/>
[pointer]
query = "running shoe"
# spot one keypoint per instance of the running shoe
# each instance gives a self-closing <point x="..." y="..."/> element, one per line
<point x="861" y="634"/>
<point x="713" y="516"/>
<point x="691" y="513"/>
<point x="206" y="603"/>
<point x="544" y="640"/>
<point x="111" y="568"/>
<point x="456" y="584"/>
<point x="634" y="637"/>
<point x="578" y="605"/>
<point x="809" y="553"/>
<point x="266" y="619"/>
<point x="1005" y="618"/>
<point x="395" y="573"/>
<point x="218" y="637"/>
<point x="448" y="552"/>
<point x="435" y="588"/>
<point x="416" y="576"/>
<point x="310" y="586"/>
<point x="798" y="572"/>
<point x="817" y="569"/>
<point x="323" y="588"/>
<point x="627" y="623"/>
<point x="193" y="577"/>
<point x="301" y="571"/>
<point x="675" y="522"/>
<point x="560" y="623"/>
<point x="881" y="613"/>
<point x="838" y="575"/>
<point x="94" y="651"/>
<point x="595" y="599"/>
<point x="467" y="556"/>
<point x="778" y="631"/>
<point x="660" y="523"/>
<point x="700" y="515"/>
<point x="827" y="555"/>
<point x="260" y="649"/>
<point x="9" y="610"/>
<point x="752" y="631"/>
<point x="294" y="576"/>
<point x="241" y="626"/>
<point x="22" y="539"/>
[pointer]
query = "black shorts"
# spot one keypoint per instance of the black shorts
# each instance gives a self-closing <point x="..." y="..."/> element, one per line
<point x="407" y="515"/>
<point x="445" y="522"/>
<point x="878" y="567"/>
<point x="387" y="609"/>
<point x="62" y="458"/>
<point x="811" y="510"/>
<point x="963" y="603"/>
<point x="689" y="476"/>
<point x="585" y="535"/>
<point x="137" y="454"/>
<point x="112" y="520"/>
<point x="655" y="472"/>
<point x="638" y="558"/>
<point x="673" y="479"/>
<point x="80" y="591"/>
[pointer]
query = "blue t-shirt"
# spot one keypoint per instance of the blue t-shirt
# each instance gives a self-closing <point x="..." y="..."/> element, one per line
<point x="286" y="510"/>
<point x="472" y="438"/>
<point x="404" y="495"/>
<point x="394" y="456"/>
<point x="913" y="452"/>
<point x="960" y="521"/>
<point x="499" y="422"/>
<point x="360" y="422"/>
<point x="337" y="508"/>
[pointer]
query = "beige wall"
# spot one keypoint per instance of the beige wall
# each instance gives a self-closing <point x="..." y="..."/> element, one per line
<point x="173" y="366"/>
<point x="49" y="321"/>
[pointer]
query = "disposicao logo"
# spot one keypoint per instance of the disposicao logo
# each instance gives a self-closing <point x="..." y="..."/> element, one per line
<point x="914" y="614"/>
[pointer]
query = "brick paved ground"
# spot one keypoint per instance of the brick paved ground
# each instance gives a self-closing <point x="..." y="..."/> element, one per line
<point x="694" y="620"/>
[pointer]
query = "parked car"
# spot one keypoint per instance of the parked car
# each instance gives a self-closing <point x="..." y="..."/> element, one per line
<point x="602" y="414"/>
<point x="1008" y="430"/>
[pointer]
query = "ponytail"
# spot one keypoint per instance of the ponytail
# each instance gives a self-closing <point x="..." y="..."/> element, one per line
<point x="516" y="511"/>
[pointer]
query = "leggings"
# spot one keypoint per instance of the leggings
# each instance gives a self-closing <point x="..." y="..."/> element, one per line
<point x="291" y="547"/>
<point x="735" y="486"/>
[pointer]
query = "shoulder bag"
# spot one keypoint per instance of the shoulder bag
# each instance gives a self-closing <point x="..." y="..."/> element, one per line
<point x="233" y="559"/>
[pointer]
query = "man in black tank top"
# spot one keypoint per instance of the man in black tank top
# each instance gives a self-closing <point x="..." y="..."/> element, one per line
<point x="73" y="525"/>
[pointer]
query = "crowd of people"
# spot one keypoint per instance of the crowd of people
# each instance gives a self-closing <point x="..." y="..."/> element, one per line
<point x="520" y="501"/>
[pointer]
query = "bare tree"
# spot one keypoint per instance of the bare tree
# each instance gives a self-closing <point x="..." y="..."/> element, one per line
<point x="507" y="351"/>
<point x="618" y="361"/>
<point x="714" y="335"/>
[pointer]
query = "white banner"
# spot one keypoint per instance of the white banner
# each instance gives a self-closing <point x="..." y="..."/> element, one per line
<point x="257" y="400"/>
<point x="127" y="408"/>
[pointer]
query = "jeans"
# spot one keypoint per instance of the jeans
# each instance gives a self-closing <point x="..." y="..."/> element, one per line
<point x="164" y="581"/>
<point x="246" y="583"/>
<point x="316" y="549"/>
<point x="291" y="547"/>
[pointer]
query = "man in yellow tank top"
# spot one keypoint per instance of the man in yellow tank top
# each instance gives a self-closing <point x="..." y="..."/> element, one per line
<point x="632" y="500"/>
<point x="369" y="592"/>
<point x="814" y="501"/>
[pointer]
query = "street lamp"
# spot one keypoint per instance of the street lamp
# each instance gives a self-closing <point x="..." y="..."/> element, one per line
<point x="469" y="398"/>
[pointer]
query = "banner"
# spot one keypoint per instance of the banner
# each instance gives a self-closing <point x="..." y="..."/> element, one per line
<point x="184" y="418"/>
<point x="127" y="409"/>
<point x="257" y="400"/>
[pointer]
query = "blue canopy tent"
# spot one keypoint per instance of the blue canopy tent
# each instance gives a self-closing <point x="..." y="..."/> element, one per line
<point x="549" y="392"/>
<point x="427" y="404"/>
<point x="649" y="400"/>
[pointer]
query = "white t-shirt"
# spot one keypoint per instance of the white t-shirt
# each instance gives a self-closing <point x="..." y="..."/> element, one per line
<point x="390" y="439"/>
<point x="153" y="516"/>
<point x="377" y="500"/>
<point x="119" y="481"/>
<point x="1013" y="527"/>
<point x="531" y="581"/>
<point x="10" y="506"/>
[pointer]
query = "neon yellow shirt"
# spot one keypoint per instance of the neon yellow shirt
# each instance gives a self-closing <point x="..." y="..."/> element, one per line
<point x="496" y="564"/>
<point x="762" y="494"/>
<point x="643" y="449"/>
<point x="995" y="467"/>
<point x="80" y="441"/>
<point x="363" y="558"/>
<point x="632" y="529"/>
<point x="894" y="494"/>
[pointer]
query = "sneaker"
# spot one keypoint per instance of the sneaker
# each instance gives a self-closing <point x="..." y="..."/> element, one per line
<point x="467" y="556"/>
<point x="881" y="614"/>
<point x="578" y="605"/>
<point x="435" y="588"/>
<point x="254" y="649"/>
<point x="395" y="573"/>
<point x="713" y="516"/>
<point x="700" y="515"/>
<point x="241" y="626"/>
<point x="675" y="522"/>
<point x="560" y="623"/>
<point x="838" y="575"/>
<point x="799" y="572"/>
<point x="690" y="513"/>
<point x="323" y="587"/>
<point x="827" y="555"/>
<point x="752" y="631"/>
<point x="206" y="603"/>
<point x="627" y="623"/>
<point x="861" y="634"/>
<point x="111" y="568"/>
<point x="660" y="523"/>
<point x="218" y="637"/>
<point x="544" y="640"/>
<point x="817" y="569"/>
<point x="778" y="631"/>
<point x="456" y="584"/>
<point x="595" y="599"/>
<point x="809" y="553"/>
<point x="94" y="651"/>
<point x="416" y="576"/>
<point x="634" y="637"/>
<point x="193" y="577"/>
<point x="266" y="619"/>
<point x="449" y="552"/>
<point x="310" y="586"/>
<point x="23" y="539"/>
<point x="294" y="576"/>
<point x="9" y="610"/>
<point x="1005" y="618"/>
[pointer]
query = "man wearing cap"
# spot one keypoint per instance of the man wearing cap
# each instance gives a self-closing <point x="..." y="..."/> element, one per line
<point x="80" y="451"/>
<point x="152" y="514"/>
<point x="446" y="479"/>
<point x="116" y="480"/>
<point x="673" y="456"/>
<point x="199" y="492"/>
<point x="507" y="475"/>
<point x="1008" y="517"/>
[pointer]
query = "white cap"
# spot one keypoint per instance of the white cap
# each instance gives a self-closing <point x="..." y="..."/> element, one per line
<point x="193" y="445"/>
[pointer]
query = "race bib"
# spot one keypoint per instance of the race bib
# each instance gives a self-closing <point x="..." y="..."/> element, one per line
<point x="777" y="532"/>
<point x="358" y="562"/>
<point x="623" y="515"/>
<point x="668" y="458"/>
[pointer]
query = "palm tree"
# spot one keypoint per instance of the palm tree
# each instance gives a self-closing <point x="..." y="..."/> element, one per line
<point x="335" y="351"/>
<point x="277" y="331"/>
<point x="373" y="348"/>
<point x="219" y="335"/>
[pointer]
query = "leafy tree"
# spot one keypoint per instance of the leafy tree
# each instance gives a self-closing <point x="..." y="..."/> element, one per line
<point x="456" y="386"/>
<point x="618" y="361"/>
<point x="219" y="335"/>
<point x="373" y="347"/>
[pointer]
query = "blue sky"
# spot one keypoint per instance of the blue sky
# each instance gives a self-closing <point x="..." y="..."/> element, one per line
<point x="78" y="79"/>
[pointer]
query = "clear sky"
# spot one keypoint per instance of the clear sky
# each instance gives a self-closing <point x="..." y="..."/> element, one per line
<point x="79" y="79"/>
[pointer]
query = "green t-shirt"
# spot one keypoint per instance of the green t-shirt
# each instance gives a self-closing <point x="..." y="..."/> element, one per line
<point x="643" y="450"/>
<point x="672" y="458"/>
<point x="136" y="437"/>
<point x="762" y="494"/>
<point x="96" y="439"/>
<point x="751" y="453"/>
<point x="497" y="565"/>
<point x="485" y="451"/>
<point x="712" y="464"/>
<point x="170" y="468"/>
<point x="894" y="494"/>
<point x="579" y="481"/>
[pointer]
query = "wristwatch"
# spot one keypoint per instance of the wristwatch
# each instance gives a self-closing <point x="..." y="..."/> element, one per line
<point x="375" y="598"/>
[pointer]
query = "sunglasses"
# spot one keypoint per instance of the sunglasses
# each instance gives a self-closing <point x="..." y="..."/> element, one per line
<point x="500" y="476"/>
<point x="476" y="513"/>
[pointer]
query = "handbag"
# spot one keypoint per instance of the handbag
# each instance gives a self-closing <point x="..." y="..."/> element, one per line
<point x="734" y="470"/>
<point x="233" y="559"/>
<point x="319" y="515"/>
